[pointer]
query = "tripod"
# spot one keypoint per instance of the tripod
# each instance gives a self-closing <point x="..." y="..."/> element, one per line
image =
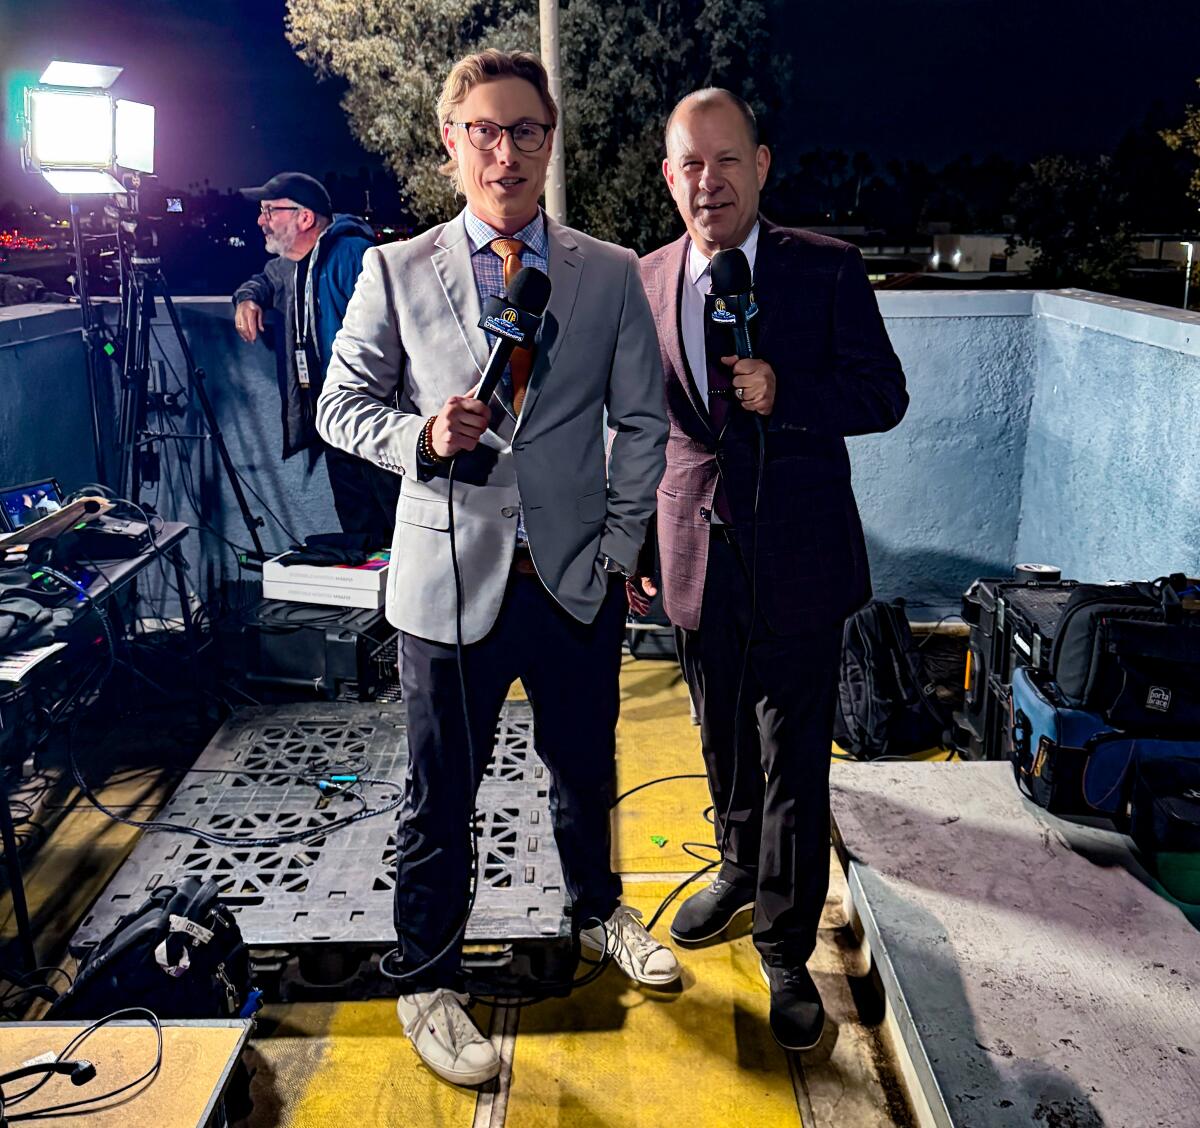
<point x="142" y="282"/>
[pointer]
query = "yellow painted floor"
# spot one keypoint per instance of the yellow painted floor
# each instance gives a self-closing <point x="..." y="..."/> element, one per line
<point x="610" y="1055"/>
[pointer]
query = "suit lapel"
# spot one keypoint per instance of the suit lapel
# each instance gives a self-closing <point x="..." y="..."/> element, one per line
<point x="769" y="279"/>
<point x="566" y="270"/>
<point x="452" y="263"/>
<point x="664" y="288"/>
<point x="678" y="278"/>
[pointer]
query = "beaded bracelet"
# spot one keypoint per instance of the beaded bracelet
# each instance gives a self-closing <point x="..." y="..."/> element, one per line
<point x="425" y="443"/>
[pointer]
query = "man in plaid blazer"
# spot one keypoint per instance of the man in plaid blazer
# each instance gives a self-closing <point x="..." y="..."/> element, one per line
<point x="759" y="591"/>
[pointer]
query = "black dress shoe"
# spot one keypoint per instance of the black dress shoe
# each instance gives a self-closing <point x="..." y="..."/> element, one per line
<point x="709" y="912"/>
<point x="797" y="1013"/>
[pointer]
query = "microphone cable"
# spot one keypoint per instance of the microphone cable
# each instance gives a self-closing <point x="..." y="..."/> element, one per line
<point x="741" y="685"/>
<point x="554" y="987"/>
<point x="735" y="277"/>
<point x="461" y="927"/>
<point x="86" y="1105"/>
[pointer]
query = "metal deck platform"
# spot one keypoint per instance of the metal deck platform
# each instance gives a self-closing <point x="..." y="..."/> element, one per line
<point x="337" y="890"/>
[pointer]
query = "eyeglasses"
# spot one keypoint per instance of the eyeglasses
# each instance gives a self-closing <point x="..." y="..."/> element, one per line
<point x="270" y="209"/>
<point x="528" y="136"/>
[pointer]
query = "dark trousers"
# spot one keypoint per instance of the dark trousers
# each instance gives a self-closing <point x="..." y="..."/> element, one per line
<point x="364" y="495"/>
<point x="770" y="760"/>
<point x="570" y="672"/>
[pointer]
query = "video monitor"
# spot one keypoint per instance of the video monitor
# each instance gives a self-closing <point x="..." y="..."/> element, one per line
<point x="22" y="505"/>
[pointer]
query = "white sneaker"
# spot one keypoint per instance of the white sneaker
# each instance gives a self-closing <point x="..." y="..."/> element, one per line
<point x="445" y="1038"/>
<point x="634" y="950"/>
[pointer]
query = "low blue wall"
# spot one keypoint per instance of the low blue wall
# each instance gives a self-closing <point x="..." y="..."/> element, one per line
<point x="1057" y="427"/>
<point x="45" y="414"/>
<point x="1111" y="487"/>
<point x="940" y="495"/>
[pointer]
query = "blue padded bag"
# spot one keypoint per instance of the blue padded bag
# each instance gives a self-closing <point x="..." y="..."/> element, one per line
<point x="1070" y="761"/>
<point x="1050" y="746"/>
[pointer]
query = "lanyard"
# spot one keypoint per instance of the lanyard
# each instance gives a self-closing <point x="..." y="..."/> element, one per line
<point x="300" y="305"/>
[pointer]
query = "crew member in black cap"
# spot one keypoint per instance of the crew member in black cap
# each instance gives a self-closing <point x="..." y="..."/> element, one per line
<point x="319" y="256"/>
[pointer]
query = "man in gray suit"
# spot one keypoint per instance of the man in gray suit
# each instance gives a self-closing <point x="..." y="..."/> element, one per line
<point x="543" y="528"/>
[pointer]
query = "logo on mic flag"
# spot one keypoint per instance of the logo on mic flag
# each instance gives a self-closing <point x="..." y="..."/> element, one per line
<point x="723" y="315"/>
<point x="505" y="323"/>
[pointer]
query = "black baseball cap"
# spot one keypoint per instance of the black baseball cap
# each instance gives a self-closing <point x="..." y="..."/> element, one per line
<point x="306" y="190"/>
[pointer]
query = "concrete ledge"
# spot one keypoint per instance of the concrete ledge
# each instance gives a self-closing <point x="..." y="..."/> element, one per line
<point x="955" y="303"/>
<point x="1144" y="322"/>
<point x="29" y="324"/>
<point x="1027" y="985"/>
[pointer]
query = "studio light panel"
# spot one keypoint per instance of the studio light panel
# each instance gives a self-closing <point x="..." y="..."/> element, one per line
<point x="70" y="129"/>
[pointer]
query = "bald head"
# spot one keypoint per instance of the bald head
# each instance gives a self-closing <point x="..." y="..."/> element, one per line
<point x="715" y="168"/>
<point x="707" y="98"/>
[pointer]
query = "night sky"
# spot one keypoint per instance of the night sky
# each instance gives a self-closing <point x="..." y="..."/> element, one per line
<point x="922" y="79"/>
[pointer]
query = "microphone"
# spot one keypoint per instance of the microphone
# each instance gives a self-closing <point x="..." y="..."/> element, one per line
<point x="731" y="281"/>
<point x="514" y="321"/>
<point x="81" y="1071"/>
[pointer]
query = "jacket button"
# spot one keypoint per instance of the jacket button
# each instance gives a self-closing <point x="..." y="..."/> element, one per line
<point x="508" y="511"/>
<point x="705" y="514"/>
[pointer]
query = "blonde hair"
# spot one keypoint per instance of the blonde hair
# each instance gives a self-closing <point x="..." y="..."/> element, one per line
<point x="485" y="66"/>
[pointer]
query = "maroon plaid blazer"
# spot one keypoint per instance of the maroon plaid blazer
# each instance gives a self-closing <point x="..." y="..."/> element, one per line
<point x="836" y="375"/>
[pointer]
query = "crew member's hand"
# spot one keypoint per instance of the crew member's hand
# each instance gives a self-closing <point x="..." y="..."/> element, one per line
<point x="640" y="590"/>
<point x="249" y="320"/>
<point x="458" y="425"/>
<point x="754" y="383"/>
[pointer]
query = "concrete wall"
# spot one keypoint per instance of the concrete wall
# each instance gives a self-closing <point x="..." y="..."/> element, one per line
<point x="1054" y="427"/>
<point x="45" y="419"/>
<point x="242" y="381"/>
<point x="1111" y="487"/>
<point x="940" y="495"/>
<point x="45" y="429"/>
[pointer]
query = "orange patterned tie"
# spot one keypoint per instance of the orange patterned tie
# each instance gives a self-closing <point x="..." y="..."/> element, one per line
<point x="521" y="363"/>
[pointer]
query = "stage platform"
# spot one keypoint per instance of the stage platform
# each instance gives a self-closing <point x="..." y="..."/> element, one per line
<point x="610" y="1055"/>
<point x="1030" y="978"/>
<point x="334" y="893"/>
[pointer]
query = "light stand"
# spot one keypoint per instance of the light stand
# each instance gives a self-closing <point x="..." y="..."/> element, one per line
<point x="91" y="343"/>
<point x="142" y="282"/>
<point x="76" y="136"/>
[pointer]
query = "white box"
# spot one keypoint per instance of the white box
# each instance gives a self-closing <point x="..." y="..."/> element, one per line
<point x="326" y="596"/>
<point x="371" y="576"/>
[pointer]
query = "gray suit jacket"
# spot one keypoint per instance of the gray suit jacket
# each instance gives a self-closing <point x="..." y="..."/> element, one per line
<point x="413" y="321"/>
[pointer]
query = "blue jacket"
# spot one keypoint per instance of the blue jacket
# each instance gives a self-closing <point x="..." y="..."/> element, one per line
<point x="334" y="267"/>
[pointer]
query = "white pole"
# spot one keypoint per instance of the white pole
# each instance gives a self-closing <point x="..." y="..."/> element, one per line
<point x="556" y="178"/>
<point x="1187" y="278"/>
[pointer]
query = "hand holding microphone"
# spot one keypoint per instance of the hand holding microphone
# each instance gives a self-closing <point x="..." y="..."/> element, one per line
<point x="754" y="383"/>
<point x="460" y="422"/>
<point x="513" y="320"/>
<point x="753" y="378"/>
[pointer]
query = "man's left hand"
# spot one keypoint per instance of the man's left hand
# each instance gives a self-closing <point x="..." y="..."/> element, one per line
<point x="754" y="383"/>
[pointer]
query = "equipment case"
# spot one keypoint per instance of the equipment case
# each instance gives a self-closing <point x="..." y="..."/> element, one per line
<point x="329" y="650"/>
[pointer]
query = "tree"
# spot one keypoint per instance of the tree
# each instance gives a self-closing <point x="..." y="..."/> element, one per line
<point x="1155" y="178"/>
<point x="624" y="63"/>
<point x="1186" y="138"/>
<point x="1073" y="213"/>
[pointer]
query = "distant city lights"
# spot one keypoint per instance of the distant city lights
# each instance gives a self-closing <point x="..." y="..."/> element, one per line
<point x="15" y="241"/>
